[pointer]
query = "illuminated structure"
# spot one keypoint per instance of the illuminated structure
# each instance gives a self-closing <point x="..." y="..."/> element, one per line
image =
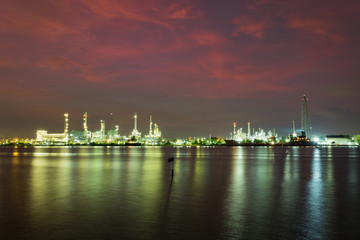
<point x="234" y="132"/>
<point x="113" y="133"/>
<point x="41" y="135"/>
<point x="100" y="136"/>
<point x="66" y="127"/>
<point x="111" y="121"/>
<point x="238" y="135"/>
<point x="339" y="140"/>
<point x="157" y="132"/>
<point x="85" y="123"/>
<point x="305" y="118"/>
<point x="294" y="131"/>
<point x="44" y="136"/>
<point x="150" y="127"/>
<point x="135" y="134"/>
<point x="102" y="129"/>
<point x="154" y="137"/>
<point x="258" y="136"/>
<point x="81" y="136"/>
<point x="87" y="133"/>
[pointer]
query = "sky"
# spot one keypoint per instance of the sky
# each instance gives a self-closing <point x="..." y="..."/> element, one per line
<point x="195" y="66"/>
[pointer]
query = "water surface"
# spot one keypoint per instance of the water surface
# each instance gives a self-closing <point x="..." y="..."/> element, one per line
<point x="216" y="193"/>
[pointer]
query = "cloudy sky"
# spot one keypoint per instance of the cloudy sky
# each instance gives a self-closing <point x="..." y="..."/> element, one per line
<point x="196" y="66"/>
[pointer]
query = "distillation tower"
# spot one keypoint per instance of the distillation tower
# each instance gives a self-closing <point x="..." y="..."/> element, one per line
<point x="102" y="128"/>
<point x="234" y="133"/>
<point x="135" y="133"/>
<point x="66" y="127"/>
<point x="85" y="123"/>
<point x="154" y="136"/>
<point x="150" y="128"/>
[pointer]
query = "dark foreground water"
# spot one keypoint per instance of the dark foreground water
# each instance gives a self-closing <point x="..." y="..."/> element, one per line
<point x="216" y="193"/>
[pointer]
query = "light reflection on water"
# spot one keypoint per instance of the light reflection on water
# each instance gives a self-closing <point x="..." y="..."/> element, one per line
<point x="216" y="193"/>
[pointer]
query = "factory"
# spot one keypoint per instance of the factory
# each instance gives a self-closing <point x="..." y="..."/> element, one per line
<point x="259" y="135"/>
<point x="154" y="136"/>
<point x="339" y="140"/>
<point x="112" y="136"/>
<point x="42" y="136"/>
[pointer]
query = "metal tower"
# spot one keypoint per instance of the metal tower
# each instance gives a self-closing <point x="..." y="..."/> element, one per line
<point x="150" y="128"/>
<point x="305" y="118"/>
<point x="294" y="130"/>
<point x="135" y="133"/>
<point x="102" y="129"/>
<point x="111" y="121"/>
<point x="66" y="127"/>
<point x="111" y="131"/>
<point x="85" y="122"/>
<point x="135" y="121"/>
<point x="234" y="134"/>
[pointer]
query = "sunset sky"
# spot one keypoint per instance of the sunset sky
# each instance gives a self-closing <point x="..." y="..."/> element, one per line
<point x="196" y="66"/>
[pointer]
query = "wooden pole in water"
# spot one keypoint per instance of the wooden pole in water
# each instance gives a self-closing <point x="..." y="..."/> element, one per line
<point x="172" y="175"/>
<point x="172" y="170"/>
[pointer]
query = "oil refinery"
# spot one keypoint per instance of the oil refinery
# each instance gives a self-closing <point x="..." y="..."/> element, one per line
<point x="112" y="136"/>
<point x="250" y="136"/>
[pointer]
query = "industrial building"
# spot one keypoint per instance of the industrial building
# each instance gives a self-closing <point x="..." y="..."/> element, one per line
<point x="85" y="136"/>
<point x="43" y="136"/>
<point x="338" y="140"/>
<point x="154" y="136"/>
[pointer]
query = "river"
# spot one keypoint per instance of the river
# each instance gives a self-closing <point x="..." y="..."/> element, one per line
<point x="215" y="193"/>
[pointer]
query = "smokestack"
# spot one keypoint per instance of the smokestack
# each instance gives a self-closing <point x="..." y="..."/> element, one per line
<point x="66" y="126"/>
<point x="234" y="130"/>
<point x="294" y="131"/>
<point x="135" y="121"/>
<point x="111" y="121"/>
<point x="150" y="129"/>
<point x="102" y="130"/>
<point x="85" y="122"/>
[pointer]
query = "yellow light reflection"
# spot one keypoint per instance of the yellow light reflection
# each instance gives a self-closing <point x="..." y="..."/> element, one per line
<point x="237" y="199"/>
<point x="315" y="201"/>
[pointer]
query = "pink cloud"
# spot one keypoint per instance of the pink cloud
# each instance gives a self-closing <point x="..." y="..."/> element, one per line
<point x="206" y="38"/>
<point x="179" y="12"/>
<point x="249" y="26"/>
<point x="36" y="18"/>
<point x="315" y="26"/>
<point x="157" y="43"/>
<point x="152" y="11"/>
<point x="183" y="11"/>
